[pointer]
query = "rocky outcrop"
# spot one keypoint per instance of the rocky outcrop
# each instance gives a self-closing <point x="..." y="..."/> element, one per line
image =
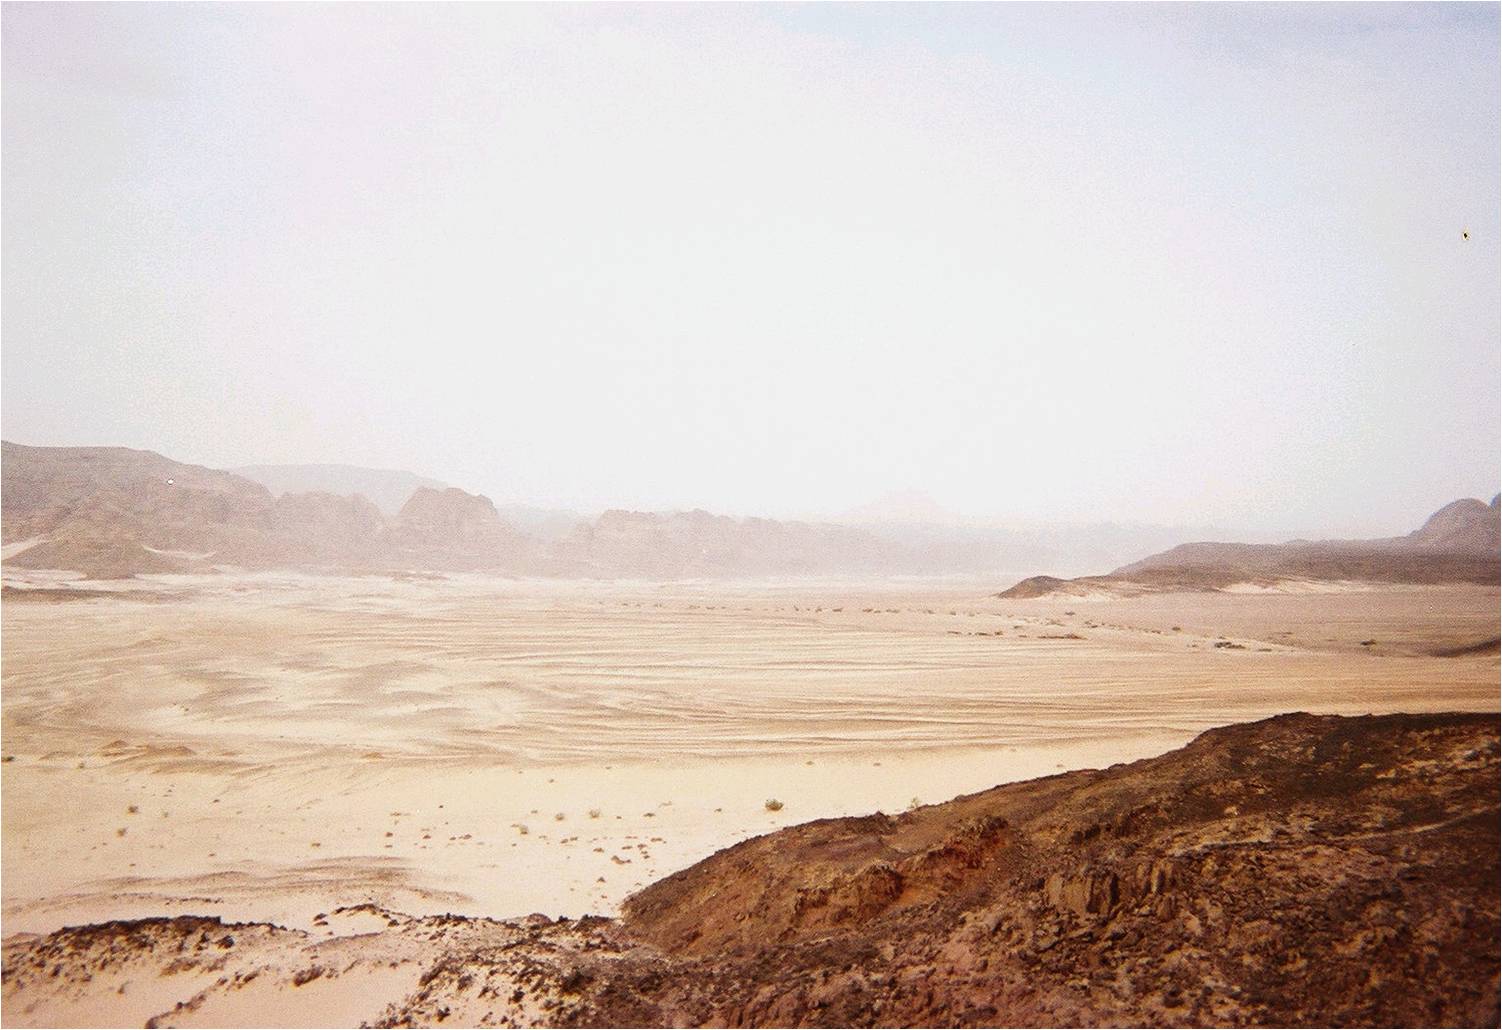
<point x="1300" y="871"/>
<point x="447" y="514"/>
<point x="452" y="529"/>
<point x="111" y="512"/>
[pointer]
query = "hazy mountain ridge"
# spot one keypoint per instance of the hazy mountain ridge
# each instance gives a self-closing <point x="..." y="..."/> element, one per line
<point x="387" y="489"/>
<point x="1459" y="543"/>
<point x="112" y="512"/>
<point x="697" y="543"/>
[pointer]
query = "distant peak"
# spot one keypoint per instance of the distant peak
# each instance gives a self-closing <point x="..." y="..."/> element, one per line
<point x="389" y="489"/>
<point x="913" y="506"/>
<point x="1468" y="525"/>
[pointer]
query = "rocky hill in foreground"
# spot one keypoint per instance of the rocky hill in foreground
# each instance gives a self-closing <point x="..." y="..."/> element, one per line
<point x="1300" y="871"/>
<point x="1460" y="543"/>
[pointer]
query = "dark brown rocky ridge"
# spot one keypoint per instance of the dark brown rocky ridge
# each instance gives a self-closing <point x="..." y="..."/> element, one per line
<point x="1302" y="870"/>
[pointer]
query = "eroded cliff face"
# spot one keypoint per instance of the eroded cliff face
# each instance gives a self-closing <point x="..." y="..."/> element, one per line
<point x="1298" y="871"/>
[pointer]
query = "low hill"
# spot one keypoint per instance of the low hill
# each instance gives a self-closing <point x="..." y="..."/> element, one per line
<point x="1457" y="544"/>
<point x="1466" y="526"/>
<point x="1300" y="871"/>
<point x="110" y="511"/>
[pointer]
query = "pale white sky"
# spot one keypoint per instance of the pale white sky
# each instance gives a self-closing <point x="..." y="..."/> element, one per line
<point x="1181" y="264"/>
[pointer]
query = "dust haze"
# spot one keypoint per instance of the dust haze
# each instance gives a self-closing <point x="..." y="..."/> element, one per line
<point x="1189" y="267"/>
<point x="758" y="515"/>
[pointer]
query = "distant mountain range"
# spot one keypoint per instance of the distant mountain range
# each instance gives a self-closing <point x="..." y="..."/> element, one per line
<point x="1458" y="543"/>
<point x="387" y="489"/>
<point x="912" y="507"/>
<point x="110" y="512"/>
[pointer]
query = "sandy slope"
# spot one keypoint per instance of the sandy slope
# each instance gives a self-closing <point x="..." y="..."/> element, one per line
<point x="272" y="747"/>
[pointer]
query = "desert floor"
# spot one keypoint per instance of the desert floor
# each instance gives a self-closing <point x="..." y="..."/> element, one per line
<point x="271" y="747"/>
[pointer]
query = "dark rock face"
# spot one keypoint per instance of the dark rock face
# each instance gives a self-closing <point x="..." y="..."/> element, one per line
<point x="1303" y="870"/>
<point x="1300" y="871"/>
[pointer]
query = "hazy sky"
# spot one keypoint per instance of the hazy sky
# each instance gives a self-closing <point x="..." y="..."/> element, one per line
<point x="1150" y="262"/>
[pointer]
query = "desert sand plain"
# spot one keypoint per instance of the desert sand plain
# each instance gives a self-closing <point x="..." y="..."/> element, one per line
<point x="270" y="747"/>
